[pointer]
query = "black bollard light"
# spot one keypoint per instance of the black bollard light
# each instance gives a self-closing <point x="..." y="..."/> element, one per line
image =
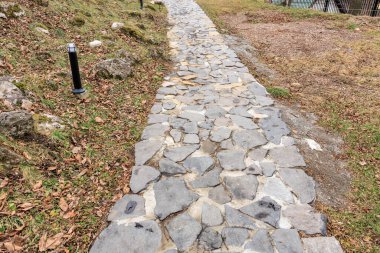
<point x="78" y="89"/>
<point x="141" y="4"/>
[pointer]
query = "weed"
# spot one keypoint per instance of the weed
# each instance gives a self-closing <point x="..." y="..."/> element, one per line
<point x="278" y="92"/>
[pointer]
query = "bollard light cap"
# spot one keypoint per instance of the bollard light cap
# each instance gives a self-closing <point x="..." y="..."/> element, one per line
<point x="71" y="48"/>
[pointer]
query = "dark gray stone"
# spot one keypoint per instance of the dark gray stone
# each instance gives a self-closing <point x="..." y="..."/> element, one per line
<point x="183" y="230"/>
<point x="141" y="177"/>
<point x="258" y="154"/>
<point x="231" y="159"/>
<point x="210" y="239"/>
<point x="172" y="196"/>
<point x="254" y="169"/>
<point x="219" y="195"/>
<point x="17" y="123"/>
<point x="266" y="209"/>
<point x="114" y="68"/>
<point x="211" y="215"/>
<point x="209" y="179"/>
<point x="142" y="236"/>
<point x="242" y="187"/>
<point x="260" y="242"/>
<point x="287" y="157"/>
<point x="199" y="164"/>
<point x="302" y="185"/>
<point x="268" y="168"/>
<point x="169" y="167"/>
<point x="10" y="92"/>
<point x="235" y="218"/>
<point x="214" y="112"/>
<point x="248" y="138"/>
<point x="145" y="150"/>
<point x="235" y="236"/>
<point x="287" y="241"/>
<point x="178" y="154"/>
<point x="243" y="122"/>
<point x="177" y="122"/>
<point x="131" y="205"/>
<point x="273" y="126"/>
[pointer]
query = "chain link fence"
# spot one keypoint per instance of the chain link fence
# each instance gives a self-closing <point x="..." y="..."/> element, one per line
<point x="355" y="7"/>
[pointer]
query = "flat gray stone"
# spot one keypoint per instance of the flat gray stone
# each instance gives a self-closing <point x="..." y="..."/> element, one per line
<point x="208" y="147"/>
<point x="145" y="150"/>
<point x="243" y="122"/>
<point x="142" y="236"/>
<point x="172" y="196"/>
<point x="268" y="168"/>
<point x="242" y="187"/>
<point x="273" y="126"/>
<point x="234" y="236"/>
<point x="214" y="112"/>
<point x="219" y="195"/>
<point x="131" y="205"/>
<point x="192" y="116"/>
<point x="157" y="118"/>
<point x="220" y="134"/>
<point x="287" y="157"/>
<point x="154" y="131"/>
<point x="169" y="167"/>
<point x="227" y="144"/>
<point x="248" y="138"/>
<point x="266" y="209"/>
<point x="254" y="169"/>
<point x="178" y="154"/>
<point x="167" y="91"/>
<point x="235" y="218"/>
<point x="302" y="185"/>
<point x="211" y="215"/>
<point x="274" y="187"/>
<point x="210" y="239"/>
<point x="156" y="108"/>
<point x="142" y="176"/>
<point x="169" y="105"/>
<point x="260" y="242"/>
<point x="199" y="164"/>
<point x="190" y="128"/>
<point x="287" y="241"/>
<point x="183" y="230"/>
<point x="241" y="111"/>
<point x="177" y="122"/>
<point x="209" y="179"/>
<point x="176" y="135"/>
<point x="304" y="218"/>
<point x="231" y="159"/>
<point x="204" y="134"/>
<point x="321" y="245"/>
<point x="191" y="139"/>
<point x="206" y="124"/>
<point x="258" y="154"/>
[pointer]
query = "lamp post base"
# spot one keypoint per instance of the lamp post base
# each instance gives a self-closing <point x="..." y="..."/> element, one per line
<point x="79" y="91"/>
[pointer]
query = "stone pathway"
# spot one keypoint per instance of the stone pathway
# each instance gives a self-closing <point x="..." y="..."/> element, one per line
<point x="215" y="170"/>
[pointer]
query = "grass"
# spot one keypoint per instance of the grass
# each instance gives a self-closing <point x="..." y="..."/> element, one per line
<point x="92" y="179"/>
<point x="342" y="87"/>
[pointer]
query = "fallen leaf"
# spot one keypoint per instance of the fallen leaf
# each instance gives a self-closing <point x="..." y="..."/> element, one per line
<point x="76" y="150"/>
<point x="54" y="242"/>
<point x="4" y="182"/>
<point x="12" y="247"/>
<point x="69" y="215"/>
<point x="26" y="206"/>
<point x="42" y="243"/>
<point x="99" y="120"/>
<point x="3" y="195"/>
<point x="27" y="156"/>
<point x="63" y="205"/>
<point x="37" y="185"/>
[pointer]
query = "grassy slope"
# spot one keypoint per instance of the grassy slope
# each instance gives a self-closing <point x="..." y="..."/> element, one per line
<point x="356" y="117"/>
<point x="87" y="165"/>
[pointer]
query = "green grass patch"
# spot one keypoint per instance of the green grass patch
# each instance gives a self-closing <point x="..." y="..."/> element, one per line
<point x="278" y="92"/>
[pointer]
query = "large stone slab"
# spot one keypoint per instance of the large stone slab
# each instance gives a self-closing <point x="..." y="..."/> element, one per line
<point x="219" y="195"/>
<point x="304" y="218"/>
<point x="210" y="239"/>
<point x="220" y="134"/>
<point x="274" y="187"/>
<point x="209" y="179"/>
<point x="183" y="230"/>
<point x="145" y="150"/>
<point x="141" y="177"/>
<point x="235" y="218"/>
<point x="273" y="126"/>
<point x="211" y="215"/>
<point x="287" y="157"/>
<point x="243" y="122"/>
<point x="178" y="154"/>
<point x="232" y="159"/>
<point x="142" y="236"/>
<point x="131" y="205"/>
<point x="172" y="196"/>
<point x="242" y="187"/>
<point x="266" y="209"/>
<point x="287" y="241"/>
<point x="199" y="164"/>
<point x="260" y="242"/>
<point x="302" y="185"/>
<point x="248" y="139"/>
<point x="168" y="167"/>
<point x="154" y="131"/>
<point x="235" y="236"/>
<point x="321" y="245"/>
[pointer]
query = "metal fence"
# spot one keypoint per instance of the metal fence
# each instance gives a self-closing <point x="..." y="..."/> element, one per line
<point x="355" y="7"/>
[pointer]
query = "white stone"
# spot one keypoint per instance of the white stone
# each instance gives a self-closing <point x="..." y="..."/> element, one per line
<point x="95" y="43"/>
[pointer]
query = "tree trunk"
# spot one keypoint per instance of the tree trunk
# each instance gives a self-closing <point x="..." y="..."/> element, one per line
<point x="355" y="7"/>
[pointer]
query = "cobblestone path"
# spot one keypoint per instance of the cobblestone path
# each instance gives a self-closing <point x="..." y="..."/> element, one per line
<point x="215" y="170"/>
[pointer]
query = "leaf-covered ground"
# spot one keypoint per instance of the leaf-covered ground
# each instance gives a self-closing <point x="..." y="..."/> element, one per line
<point x="58" y="197"/>
<point x="329" y="65"/>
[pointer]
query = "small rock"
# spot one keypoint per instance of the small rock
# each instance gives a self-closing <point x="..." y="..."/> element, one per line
<point x="95" y="43"/>
<point x="10" y="92"/>
<point x="183" y="230"/>
<point x="231" y="159"/>
<point x="266" y="209"/>
<point x="178" y="154"/>
<point x="118" y="68"/>
<point x="172" y="196"/>
<point x="219" y="195"/>
<point x="26" y="105"/>
<point x="235" y="236"/>
<point x="199" y="164"/>
<point x="142" y="176"/>
<point x="268" y="168"/>
<point x="176" y="135"/>
<point x="258" y="154"/>
<point x="209" y="179"/>
<point x="211" y="215"/>
<point x="220" y="134"/>
<point x="42" y="30"/>
<point x="116" y="25"/>
<point x="17" y="123"/>
<point x="235" y="218"/>
<point x="190" y="128"/>
<point x="287" y="241"/>
<point x="210" y="239"/>
<point x="129" y="206"/>
<point x="191" y="139"/>
<point x="254" y="169"/>
<point x="169" y="167"/>
<point x="242" y="187"/>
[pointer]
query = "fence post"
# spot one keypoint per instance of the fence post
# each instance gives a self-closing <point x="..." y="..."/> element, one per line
<point x="326" y="8"/>
<point x="374" y="8"/>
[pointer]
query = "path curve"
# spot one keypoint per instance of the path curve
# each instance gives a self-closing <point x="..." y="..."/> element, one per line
<point x="215" y="170"/>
